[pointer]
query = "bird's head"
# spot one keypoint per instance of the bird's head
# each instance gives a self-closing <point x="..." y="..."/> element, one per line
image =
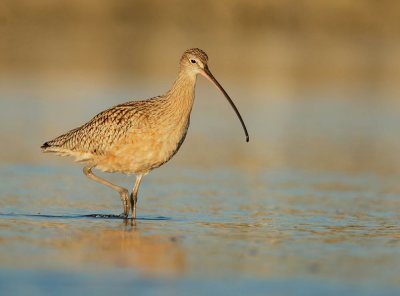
<point x="193" y="62"/>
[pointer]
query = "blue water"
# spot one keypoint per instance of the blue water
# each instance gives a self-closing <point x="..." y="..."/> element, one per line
<point x="310" y="206"/>
<point x="65" y="283"/>
<point x="200" y="231"/>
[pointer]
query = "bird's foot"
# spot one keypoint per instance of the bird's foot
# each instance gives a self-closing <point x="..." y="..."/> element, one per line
<point x="125" y="203"/>
<point x="123" y="215"/>
<point x="133" y="205"/>
<point x="134" y="213"/>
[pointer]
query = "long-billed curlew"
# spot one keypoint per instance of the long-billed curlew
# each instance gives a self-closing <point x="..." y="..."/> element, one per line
<point x="138" y="136"/>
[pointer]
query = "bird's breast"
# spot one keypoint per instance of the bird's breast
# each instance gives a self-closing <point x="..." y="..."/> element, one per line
<point x="146" y="148"/>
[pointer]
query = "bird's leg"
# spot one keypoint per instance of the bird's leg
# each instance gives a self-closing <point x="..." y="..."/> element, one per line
<point x="87" y="170"/>
<point x="134" y="195"/>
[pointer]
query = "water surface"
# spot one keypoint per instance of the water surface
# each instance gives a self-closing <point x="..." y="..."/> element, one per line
<point x="217" y="230"/>
<point x="310" y="205"/>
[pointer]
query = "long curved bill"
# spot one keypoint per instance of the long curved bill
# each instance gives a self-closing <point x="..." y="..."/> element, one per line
<point x="207" y="74"/>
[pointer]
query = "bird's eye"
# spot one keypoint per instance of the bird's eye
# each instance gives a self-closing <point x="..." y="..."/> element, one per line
<point x="193" y="61"/>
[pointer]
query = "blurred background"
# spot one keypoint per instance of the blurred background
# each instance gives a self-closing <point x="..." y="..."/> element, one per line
<point x="316" y="81"/>
<point x="309" y="204"/>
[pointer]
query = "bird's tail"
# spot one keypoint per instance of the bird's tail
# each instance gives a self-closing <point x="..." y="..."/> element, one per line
<point x="45" y="146"/>
<point x="59" y="147"/>
<point x="49" y="147"/>
<point x="56" y="145"/>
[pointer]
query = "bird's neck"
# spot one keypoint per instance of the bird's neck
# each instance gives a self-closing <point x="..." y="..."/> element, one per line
<point x="181" y="95"/>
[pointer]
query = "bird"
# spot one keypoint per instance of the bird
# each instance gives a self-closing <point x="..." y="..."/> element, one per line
<point x="137" y="137"/>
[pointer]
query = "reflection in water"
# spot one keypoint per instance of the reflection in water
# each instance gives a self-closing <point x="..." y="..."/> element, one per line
<point x="153" y="255"/>
<point x="293" y="224"/>
<point x="81" y="243"/>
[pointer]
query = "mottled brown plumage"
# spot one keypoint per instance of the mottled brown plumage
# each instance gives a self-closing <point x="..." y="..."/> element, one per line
<point x="138" y="136"/>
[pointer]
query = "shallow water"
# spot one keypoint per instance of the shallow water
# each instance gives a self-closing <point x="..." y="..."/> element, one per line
<point x="200" y="231"/>
<point x="310" y="206"/>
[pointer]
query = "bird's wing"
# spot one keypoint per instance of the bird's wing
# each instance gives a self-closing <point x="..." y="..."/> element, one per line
<point x="106" y="128"/>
